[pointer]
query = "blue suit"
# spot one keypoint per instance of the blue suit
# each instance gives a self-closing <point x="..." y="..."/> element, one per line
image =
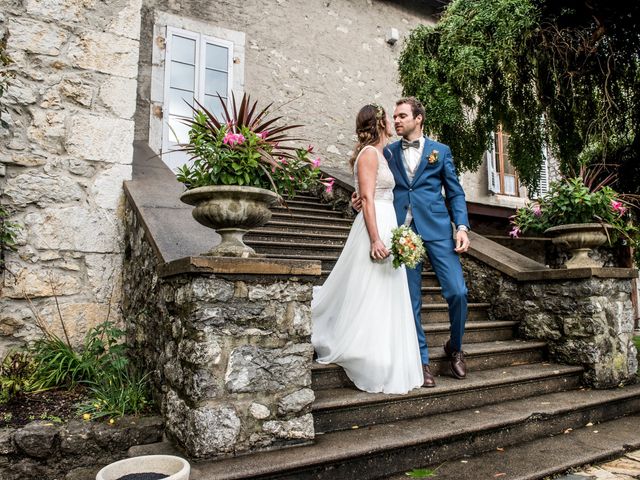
<point x="432" y="221"/>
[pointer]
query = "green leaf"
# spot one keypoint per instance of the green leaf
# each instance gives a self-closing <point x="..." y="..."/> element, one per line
<point x="420" y="473"/>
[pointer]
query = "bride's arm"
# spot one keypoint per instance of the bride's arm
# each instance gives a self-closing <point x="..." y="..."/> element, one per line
<point x="367" y="172"/>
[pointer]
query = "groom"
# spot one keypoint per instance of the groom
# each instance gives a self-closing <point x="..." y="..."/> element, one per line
<point x="421" y="168"/>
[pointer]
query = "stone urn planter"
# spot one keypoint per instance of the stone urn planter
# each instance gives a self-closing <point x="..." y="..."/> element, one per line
<point x="167" y="467"/>
<point x="231" y="211"/>
<point x="580" y="238"/>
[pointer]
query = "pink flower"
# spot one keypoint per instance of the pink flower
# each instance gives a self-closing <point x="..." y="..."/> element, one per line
<point x="310" y="148"/>
<point x="537" y="210"/>
<point x="515" y="232"/>
<point x="328" y="185"/>
<point x="282" y="160"/>
<point x="316" y="162"/>
<point x="618" y="207"/>
<point x="233" y="139"/>
<point x="263" y="134"/>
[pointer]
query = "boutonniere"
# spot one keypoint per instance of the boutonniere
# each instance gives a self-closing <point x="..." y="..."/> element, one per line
<point x="433" y="157"/>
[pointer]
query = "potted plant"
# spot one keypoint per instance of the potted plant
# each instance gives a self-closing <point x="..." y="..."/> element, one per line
<point x="240" y="166"/>
<point x="580" y="213"/>
<point x="147" y="467"/>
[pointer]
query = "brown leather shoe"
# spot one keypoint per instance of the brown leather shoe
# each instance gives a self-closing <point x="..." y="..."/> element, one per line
<point x="429" y="381"/>
<point x="456" y="361"/>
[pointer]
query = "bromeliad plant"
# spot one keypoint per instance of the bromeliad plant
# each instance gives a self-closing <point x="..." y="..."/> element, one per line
<point x="581" y="199"/>
<point x="247" y="148"/>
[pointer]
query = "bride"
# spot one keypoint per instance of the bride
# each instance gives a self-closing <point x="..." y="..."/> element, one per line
<point x="362" y="315"/>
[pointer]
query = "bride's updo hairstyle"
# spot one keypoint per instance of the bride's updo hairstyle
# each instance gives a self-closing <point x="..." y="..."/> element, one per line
<point x="371" y="123"/>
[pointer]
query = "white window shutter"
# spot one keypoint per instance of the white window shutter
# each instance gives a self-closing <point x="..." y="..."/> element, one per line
<point x="492" y="175"/>
<point x="543" y="183"/>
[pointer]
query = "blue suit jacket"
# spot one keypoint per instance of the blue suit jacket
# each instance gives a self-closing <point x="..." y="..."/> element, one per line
<point x="424" y="194"/>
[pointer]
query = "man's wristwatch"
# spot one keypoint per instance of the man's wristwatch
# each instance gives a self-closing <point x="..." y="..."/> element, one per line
<point x="462" y="228"/>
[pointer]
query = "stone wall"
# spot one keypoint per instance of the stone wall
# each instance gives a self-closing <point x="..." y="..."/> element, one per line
<point x="71" y="450"/>
<point x="67" y="150"/>
<point x="586" y="321"/>
<point x="230" y="354"/>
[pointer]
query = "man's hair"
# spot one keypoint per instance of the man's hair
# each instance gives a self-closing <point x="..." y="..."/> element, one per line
<point x="416" y="107"/>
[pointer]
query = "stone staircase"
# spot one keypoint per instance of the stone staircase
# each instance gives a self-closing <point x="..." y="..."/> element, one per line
<point x="512" y="395"/>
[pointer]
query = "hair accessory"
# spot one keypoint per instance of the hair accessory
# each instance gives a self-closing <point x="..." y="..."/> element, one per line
<point x="379" y="111"/>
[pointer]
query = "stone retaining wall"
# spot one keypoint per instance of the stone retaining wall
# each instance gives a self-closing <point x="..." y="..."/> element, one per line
<point x="74" y="450"/>
<point x="586" y="321"/>
<point x="230" y="354"/>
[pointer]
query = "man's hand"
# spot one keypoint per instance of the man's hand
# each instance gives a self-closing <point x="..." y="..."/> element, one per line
<point x="462" y="241"/>
<point x="356" y="202"/>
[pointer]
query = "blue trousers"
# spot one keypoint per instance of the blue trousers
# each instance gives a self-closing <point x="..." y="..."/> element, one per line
<point x="447" y="267"/>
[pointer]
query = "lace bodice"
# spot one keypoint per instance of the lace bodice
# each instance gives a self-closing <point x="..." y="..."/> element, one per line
<point x="384" y="178"/>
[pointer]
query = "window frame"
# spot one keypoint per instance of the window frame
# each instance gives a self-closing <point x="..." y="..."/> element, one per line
<point x="201" y="41"/>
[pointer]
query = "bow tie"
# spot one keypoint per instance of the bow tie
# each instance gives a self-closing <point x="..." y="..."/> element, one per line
<point x="407" y="144"/>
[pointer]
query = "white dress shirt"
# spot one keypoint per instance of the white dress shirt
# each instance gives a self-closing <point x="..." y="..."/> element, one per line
<point x="411" y="159"/>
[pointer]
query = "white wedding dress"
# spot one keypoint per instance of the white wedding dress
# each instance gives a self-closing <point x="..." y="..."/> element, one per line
<point x="362" y="315"/>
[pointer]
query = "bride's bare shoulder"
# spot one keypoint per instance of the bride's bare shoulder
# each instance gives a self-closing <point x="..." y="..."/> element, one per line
<point x="368" y="156"/>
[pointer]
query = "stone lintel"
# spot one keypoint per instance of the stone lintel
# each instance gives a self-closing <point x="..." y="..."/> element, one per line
<point x="240" y="266"/>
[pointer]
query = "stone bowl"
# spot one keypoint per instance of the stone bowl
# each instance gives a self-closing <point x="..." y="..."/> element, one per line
<point x="580" y="239"/>
<point x="177" y="468"/>
<point x="231" y="210"/>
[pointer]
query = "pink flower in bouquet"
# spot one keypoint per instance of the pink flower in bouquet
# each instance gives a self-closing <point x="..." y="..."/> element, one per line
<point x="515" y="232"/>
<point x="233" y="139"/>
<point x="263" y="134"/>
<point x="316" y="162"/>
<point x="618" y="207"/>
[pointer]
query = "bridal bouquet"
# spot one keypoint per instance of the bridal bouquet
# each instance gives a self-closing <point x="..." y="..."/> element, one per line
<point x="406" y="246"/>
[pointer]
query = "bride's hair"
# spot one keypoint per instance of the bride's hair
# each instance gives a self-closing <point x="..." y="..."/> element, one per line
<point x="371" y="123"/>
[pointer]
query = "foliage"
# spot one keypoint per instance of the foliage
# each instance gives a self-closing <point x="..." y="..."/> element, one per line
<point x="101" y="364"/>
<point x="8" y="232"/>
<point x="420" y="473"/>
<point x="16" y="373"/>
<point x="5" y="74"/>
<point x="245" y="147"/>
<point x="579" y="199"/>
<point x="126" y="392"/>
<point x="564" y="74"/>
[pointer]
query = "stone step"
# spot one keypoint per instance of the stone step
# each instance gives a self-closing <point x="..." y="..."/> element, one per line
<point x="429" y="279"/>
<point x="380" y="451"/>
<point x="276" y="247"/>
<point x="344" y="408"/>
<point x="308" y="218"/>
<point x="432" y="295"/>
<point x="308" y="211"/>
<point x="308" y="203"/>
<point x="479" y="356"/>
<point x="328" y="260"/>
<point x="293" y="238"/>
<point x="327" y="229"/>
<point x="307" y="197"/>
<point x="475" y="332"/>
<point x="439" y="312"/>
<point x="546" y="457"/>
